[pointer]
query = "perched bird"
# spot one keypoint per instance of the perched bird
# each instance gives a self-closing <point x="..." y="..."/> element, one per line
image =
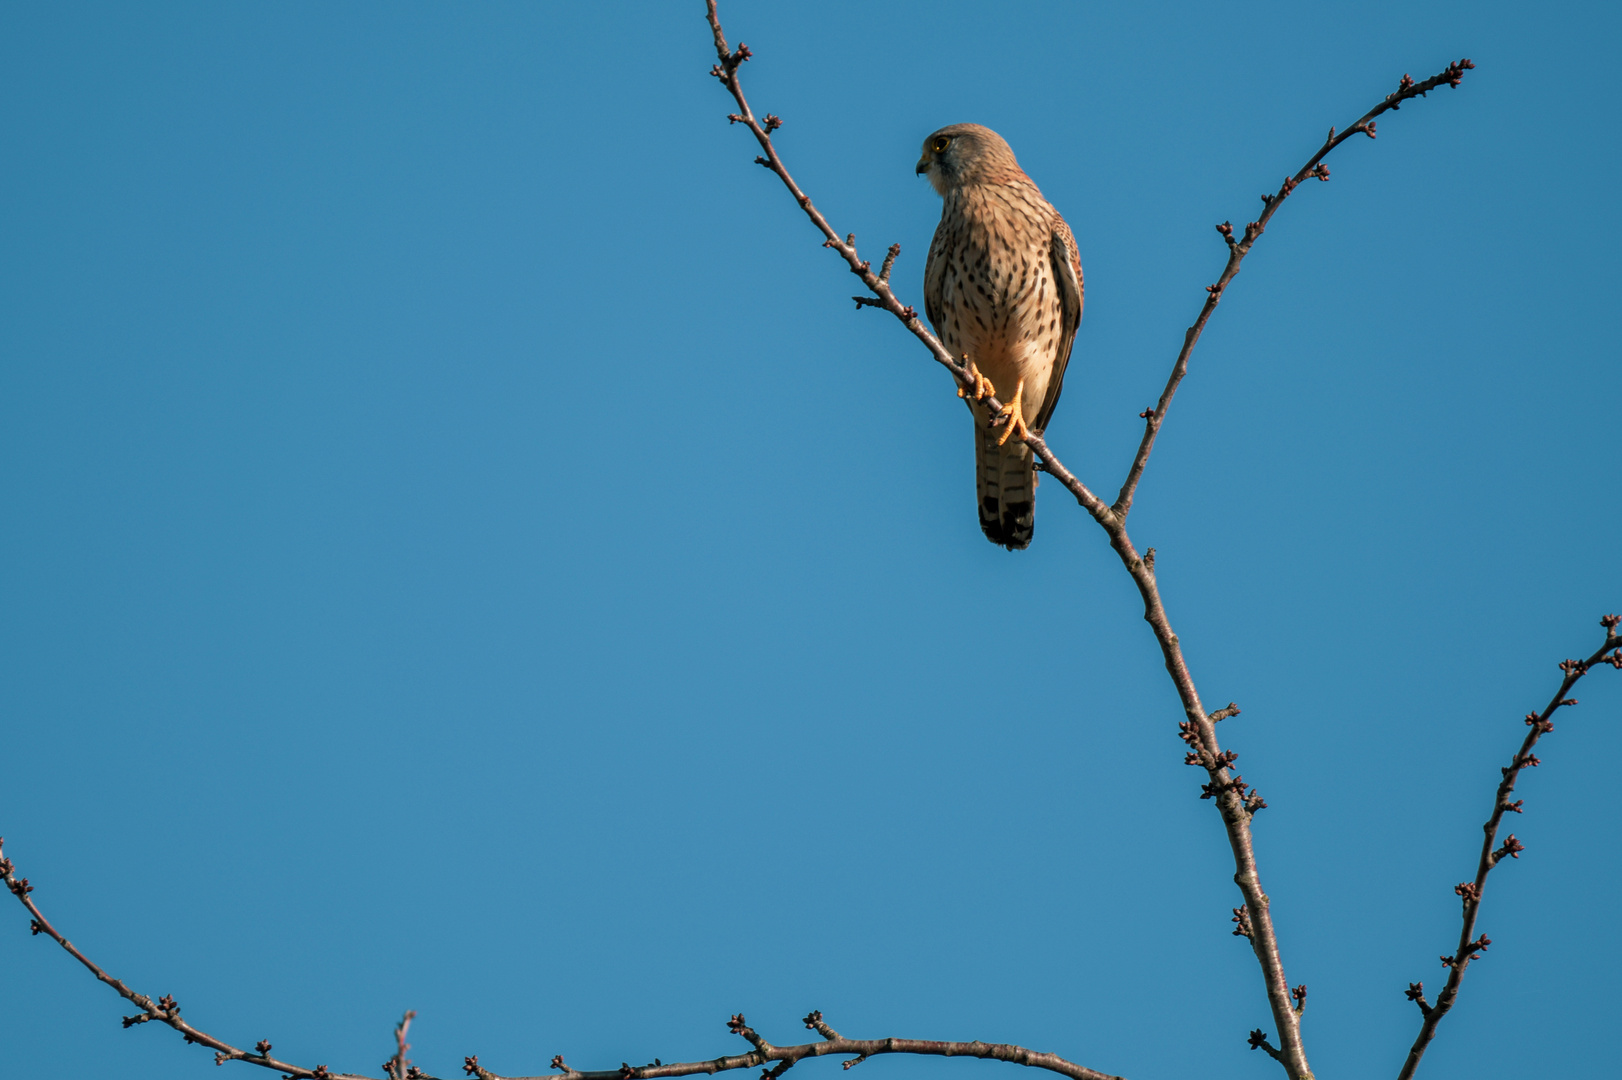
<point x="1002" y="288"/>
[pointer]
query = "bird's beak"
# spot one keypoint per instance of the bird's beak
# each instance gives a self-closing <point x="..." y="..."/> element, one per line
<point x="923" y="165"/>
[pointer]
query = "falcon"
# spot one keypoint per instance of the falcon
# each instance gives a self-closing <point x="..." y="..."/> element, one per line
<point x="1003" y="289"/>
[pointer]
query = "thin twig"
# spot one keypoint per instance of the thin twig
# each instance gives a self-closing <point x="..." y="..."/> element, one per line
<point x="1239" y="248"/>
<point x="165" y="1010"/>
<point x="1538" y="724"/>
<point x="399" y="1067"/>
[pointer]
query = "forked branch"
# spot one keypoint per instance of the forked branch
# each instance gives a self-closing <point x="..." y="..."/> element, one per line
<point x="1471" y="892"/>
<point x="1232" y="796"/>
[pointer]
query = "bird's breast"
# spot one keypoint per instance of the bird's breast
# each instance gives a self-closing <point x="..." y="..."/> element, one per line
<point x="990" y="288"/>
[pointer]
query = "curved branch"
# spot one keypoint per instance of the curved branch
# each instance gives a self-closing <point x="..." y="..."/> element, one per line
<point x="1470" y="892"/>
<point x="165" y="1010"/>
<point x="787" y="1057"/>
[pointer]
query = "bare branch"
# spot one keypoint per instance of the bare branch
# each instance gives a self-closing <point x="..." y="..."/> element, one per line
<point x="399" y="1067"/>
<point x="889" y="262"/>
<point x="1239" y="248"/>
<point x="165" y="1010"/>
<point x="787" y="1056"/>
<point x="1470" y="892"/>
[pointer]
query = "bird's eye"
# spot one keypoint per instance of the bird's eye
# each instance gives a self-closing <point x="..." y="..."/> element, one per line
<point x="941" y="144"/>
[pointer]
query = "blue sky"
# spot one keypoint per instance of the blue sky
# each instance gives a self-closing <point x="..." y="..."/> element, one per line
<point x="448" y="563"/>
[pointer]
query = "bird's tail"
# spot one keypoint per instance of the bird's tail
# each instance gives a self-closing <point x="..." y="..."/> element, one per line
<point x="1005" y="478"/>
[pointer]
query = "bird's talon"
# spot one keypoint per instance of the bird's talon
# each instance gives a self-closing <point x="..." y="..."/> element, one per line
<point x="1014" y="414"/>
<point x="982" y="385"/>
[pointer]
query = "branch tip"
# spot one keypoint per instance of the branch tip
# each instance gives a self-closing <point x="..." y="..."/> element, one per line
<point x="889" y="262"/>
<point x="1258" y="1041"/>
<point x="815" y="1022"/>
<point x="1241" y="921"/>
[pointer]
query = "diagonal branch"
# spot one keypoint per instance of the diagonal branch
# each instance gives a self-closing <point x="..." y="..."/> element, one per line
<point x="878" y="284"/>
<point x="787" y="1057"/>
<point x="1240" y="247"/>
<point x="1470" y="892"/>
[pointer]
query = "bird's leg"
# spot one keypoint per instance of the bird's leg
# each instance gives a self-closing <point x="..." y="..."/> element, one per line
<point x="1015" y="414"/>
<point x="982" y="385"/>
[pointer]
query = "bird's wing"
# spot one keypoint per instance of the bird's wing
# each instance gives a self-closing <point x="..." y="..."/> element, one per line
<point x="934" y="274"/>
<point x="1068" y="281"/>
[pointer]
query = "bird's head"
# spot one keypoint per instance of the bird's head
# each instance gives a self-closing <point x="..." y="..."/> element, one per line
<point x="964" y="154"/>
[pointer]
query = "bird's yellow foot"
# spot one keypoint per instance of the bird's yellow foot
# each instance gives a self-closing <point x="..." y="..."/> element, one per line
<point x="982" y="385"/>
<point x="1015" y="414"/>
